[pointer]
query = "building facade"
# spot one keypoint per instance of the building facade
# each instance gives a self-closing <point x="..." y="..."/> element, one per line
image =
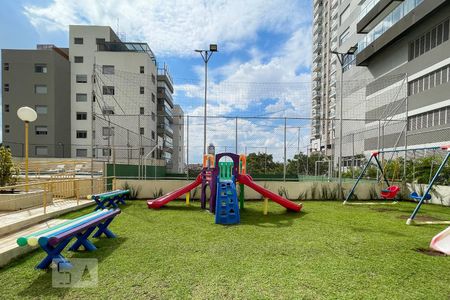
<point x="113" y="97"/>
<point x="39" y="79"/>
<point x="165" y="117"/>
<point x="397" y="82"/>
<point x="324" y="70"/>
<point x="178" y="140"/>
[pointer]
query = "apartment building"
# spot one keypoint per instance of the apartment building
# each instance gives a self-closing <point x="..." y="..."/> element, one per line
<point x="178" y="140"/>
<point x="40" y="79"/>
<point x="165" y="117"/>
<point x="113" y="95"/>
<point x="398" y="80"/>
<point x="324" y="70"/>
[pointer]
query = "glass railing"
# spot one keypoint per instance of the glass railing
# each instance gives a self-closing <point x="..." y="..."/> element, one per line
<point x="396" y="15"/>
<point x="366" y="7"/>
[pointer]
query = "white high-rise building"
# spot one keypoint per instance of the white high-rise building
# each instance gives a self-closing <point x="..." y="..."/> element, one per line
<point x="114" y="82"/>
<point x="324" y="70"/>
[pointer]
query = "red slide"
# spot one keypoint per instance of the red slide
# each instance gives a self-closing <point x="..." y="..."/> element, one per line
<point x="163" y="200"/>
<point x="248" y="181"/>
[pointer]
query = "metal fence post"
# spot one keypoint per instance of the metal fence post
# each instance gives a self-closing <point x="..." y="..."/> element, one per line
<point x="236" y="135"/>
<point x="284" y="167"/>
<point x="187" y="148"/>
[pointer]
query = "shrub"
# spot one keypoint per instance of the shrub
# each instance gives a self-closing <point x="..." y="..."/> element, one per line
<point x="8" y="171"/>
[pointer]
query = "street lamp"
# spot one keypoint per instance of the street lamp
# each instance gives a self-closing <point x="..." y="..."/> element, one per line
<point x="27" y="115"/>
<point x="342" y="58"/>
<point x="206" y="55"/>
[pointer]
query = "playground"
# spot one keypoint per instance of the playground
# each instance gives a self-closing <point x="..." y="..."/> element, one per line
<point x="327" y="251"/>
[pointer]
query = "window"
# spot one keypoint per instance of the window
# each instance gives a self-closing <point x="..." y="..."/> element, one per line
<point x="78" y="59"/>
<point x="431" y="39"/>
<point x="153" y="98"/>
<point x="106" y="151"/>
<point x="107" y="69"/>
<point x="81" y="116"/>
<point x="93" y="98"/>
<point x="78" y="41"/>
<point x="81" y="78"/>
<point x="41" y="150"/>
<point x="445" y="74"/>
<point x="153" y="78"/>
<point x="141" y="69"/>
<point x="108" y="110"/>
<point x="81" y="134"/>
<point x="6" y="107"/>
<point x="344" y="15"/>
<point x="99" y="41"/>
<point x="41" y="130"/>
<point x="141" y="90"/>
<point x="6" y="87"/>
<point x="41" y="109"/>
<point x="6" y="128"/>
<point x="108" y="131"/>
<point x="40" y="68"/>
<point x="81" y="152"/>
<point x="108" y="90"/>
<point x="142" y="130"/>
<point x="141" y="110"/>
<point x="142" y="151"/>
<point x="40" y="89"/>
<point x="153" y="135"/>
<point x="344" y="36"/>
<point x="153" y="116"/>
<point x="6" y="66"/>
<point x="81" y="97"/>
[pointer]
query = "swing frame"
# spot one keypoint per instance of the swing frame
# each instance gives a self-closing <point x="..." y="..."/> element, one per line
<point x="411" y="220"/>
<point x="374" y="157"/>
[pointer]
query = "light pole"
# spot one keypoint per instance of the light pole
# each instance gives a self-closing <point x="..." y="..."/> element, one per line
<point x="27" y="115"/>
<point x="342" y="58"/>
<point x="206" y="55"/>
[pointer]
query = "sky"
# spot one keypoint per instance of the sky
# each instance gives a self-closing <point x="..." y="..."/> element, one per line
<point x="262" y="67"/>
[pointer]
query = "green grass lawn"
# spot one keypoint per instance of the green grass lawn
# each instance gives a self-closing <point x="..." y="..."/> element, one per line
<point x="327" y="251"/>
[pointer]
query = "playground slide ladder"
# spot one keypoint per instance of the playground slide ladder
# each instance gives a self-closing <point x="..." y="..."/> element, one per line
<point x="227" y="204"/>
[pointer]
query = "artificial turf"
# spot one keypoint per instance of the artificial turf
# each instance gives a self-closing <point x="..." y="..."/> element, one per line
<point x="327" y="251"/>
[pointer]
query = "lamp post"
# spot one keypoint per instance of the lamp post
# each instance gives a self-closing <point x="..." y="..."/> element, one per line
<point x="206" y="55"/>
<point x="27" y="115"/>
<point x="342" y="58"/>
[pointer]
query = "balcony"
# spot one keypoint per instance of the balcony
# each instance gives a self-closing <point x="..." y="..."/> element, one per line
<point x="164" y="128"/>
<point x="373" y="12"/>
<point x="316" y="67"/>
<point x="166" y="95"/>
<point x="393" y="26"/>
<point x="317" y="47"/>
<point x="126" y="47"/>
<point x="317" y="57"/>
<point x="315" y="95"/>
<point x="164" y="75"/>
<point x="334" y="3"/>
<point x="317" y="76"/>
<point x="164" y="111"/>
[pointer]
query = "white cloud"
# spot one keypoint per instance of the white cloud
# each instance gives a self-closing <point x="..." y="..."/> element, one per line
<point x="176" y="27"/>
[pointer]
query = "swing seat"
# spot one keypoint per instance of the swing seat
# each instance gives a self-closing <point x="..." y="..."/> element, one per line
<point x="417" y="197"/>
<point x="390" y="192"/>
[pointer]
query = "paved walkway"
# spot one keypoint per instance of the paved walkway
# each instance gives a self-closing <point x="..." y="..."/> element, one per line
<point x="8" y="245"/>
<point x="23" y="222"/>
<point x="11" y="222"/>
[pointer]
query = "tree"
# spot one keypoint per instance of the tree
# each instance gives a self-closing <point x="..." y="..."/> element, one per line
<point x="8" y="171"/>
<point x="262" y="163"/>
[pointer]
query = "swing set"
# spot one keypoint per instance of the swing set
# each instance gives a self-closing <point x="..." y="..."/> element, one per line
<point x="391" y="191"/>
